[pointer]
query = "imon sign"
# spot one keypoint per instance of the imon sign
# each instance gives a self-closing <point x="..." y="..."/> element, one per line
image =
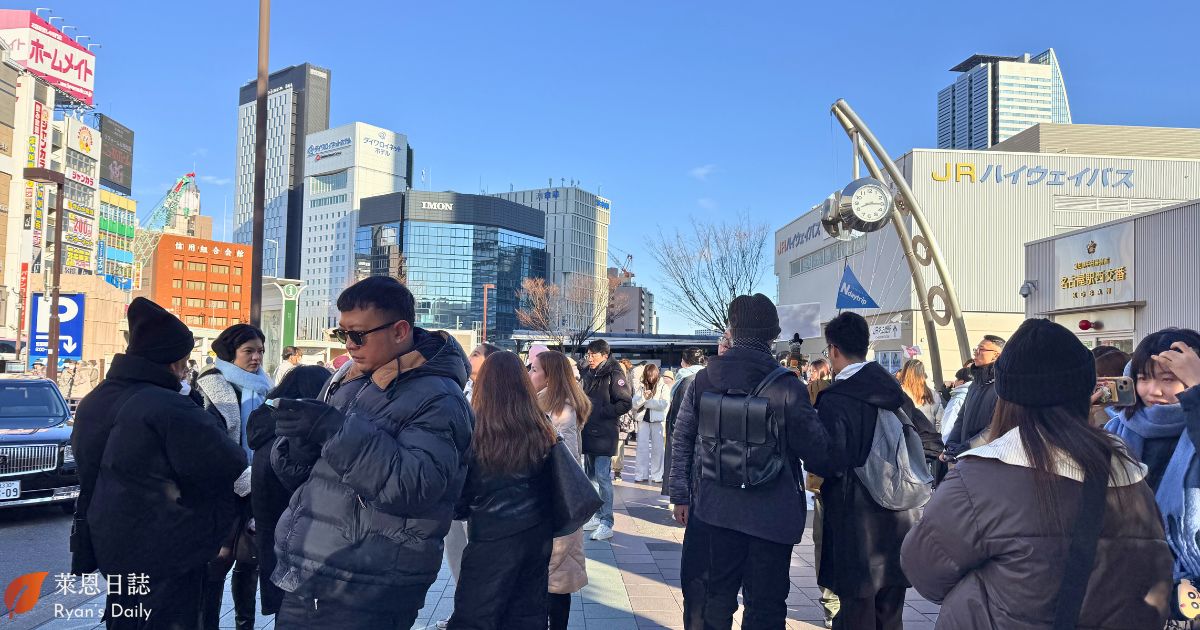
<point x="70" y="327"/>
<point x="46" y="52"/>
<point x="436" y="205"/>
<point x="1094" y="268"/>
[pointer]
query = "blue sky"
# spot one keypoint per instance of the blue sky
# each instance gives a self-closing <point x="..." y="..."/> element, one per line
<point x="674" y="108"/>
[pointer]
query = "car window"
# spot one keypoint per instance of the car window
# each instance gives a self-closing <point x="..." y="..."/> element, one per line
<point x="30" y="400"/>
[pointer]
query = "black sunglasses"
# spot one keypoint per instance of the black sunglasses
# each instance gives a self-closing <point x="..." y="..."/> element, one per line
<point x="358" y="337"/>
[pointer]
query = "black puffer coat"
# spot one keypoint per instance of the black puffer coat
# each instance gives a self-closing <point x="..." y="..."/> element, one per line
<point x="379" y="499"/>
<point x="977" y="410"/>
<point x="611" y="394"/>
<point x="158" y="501"/>
<point x="498" y="506"/>
<point x="268" y="499"/>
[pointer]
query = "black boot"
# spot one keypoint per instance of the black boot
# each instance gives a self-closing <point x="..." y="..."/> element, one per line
<point x="210" y="611"/>
<point x="244" y="586"/>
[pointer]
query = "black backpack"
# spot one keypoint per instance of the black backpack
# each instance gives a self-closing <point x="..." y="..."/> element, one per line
<point x="741" y="443"/>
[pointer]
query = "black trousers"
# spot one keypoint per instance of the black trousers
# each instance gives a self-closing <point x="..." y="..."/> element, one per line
<point x="717" y="562"/>
<point x="305" y="613"/>
<point x="884" y="611"/>
<point x="173" y="604"/>
<point x="505" y="582"/>
<point x="559" y="605"/>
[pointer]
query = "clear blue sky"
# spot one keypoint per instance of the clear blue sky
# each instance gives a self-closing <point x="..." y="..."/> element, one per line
<point x="676" y="109"/>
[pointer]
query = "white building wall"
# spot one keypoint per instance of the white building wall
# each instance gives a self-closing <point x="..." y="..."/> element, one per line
<point x="278" y="174"/>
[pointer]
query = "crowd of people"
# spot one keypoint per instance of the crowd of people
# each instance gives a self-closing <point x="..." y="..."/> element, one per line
<point x="1015" y="495"/>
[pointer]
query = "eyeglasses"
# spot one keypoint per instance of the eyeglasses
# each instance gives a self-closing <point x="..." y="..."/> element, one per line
<point x="358" y="337"/>
<point x="825" y="352"/>
<point x="981" y="349"/>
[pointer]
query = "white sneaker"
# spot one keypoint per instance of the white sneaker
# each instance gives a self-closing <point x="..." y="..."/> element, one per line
<point x="604" y="532"/>
<point x="592" y="524"/>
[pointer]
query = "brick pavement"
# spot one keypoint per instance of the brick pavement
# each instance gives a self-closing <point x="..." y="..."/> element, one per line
<point x="633" y="578"/>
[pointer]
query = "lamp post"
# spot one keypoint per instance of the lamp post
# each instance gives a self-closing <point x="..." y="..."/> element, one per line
<point x="485" y="309"/>
<point x="47" y="176"/>
<point x="260" y="163"/>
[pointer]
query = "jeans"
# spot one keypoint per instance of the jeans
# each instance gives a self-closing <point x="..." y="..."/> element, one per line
<point x="650" y="451"/>
<point x="717" y="562"/>
<point x="599" y="470"/>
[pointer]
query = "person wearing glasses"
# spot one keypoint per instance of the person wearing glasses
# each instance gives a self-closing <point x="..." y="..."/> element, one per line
<point x="611" y="393"/>
<point x="980" y="403"/>
<point x="381" y="457"/>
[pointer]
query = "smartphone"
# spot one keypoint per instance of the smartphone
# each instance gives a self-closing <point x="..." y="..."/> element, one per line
<point x="1116" y="391"/>
<point x="272" y="403"/>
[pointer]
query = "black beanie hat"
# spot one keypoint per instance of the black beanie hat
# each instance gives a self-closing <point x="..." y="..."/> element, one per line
<point x="155" y="334"/>
<point x="232" y="338"/>
<point x="753" y="317"/>
<point x="1045" y="365"/>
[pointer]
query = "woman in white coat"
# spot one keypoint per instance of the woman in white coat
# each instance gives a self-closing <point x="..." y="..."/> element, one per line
<point x="567" y="406"/>
<point x="650" y="405"/>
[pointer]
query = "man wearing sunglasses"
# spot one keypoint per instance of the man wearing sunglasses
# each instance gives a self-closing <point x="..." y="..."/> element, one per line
<point x="379" y="465"/>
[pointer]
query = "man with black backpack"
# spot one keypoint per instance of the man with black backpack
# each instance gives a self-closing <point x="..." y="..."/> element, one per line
<point x="742" y="428"/>
<point x="875" y="480"/>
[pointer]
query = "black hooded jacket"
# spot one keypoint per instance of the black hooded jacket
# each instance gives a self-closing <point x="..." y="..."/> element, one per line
<point x="977" y="410"/>
<point x="860" y="551"/>
<point x="611" y="393"/>
<point x="378" y="500"/>
<point x="156" y="473"/>
<point x="268" y="499"/>
<point x="776" y="511"/>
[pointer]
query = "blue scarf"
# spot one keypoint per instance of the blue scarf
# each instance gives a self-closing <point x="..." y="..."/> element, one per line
<point x="254" y="388"/>
<point x="1148" y="423"/>
<point x="1178" y="495"/>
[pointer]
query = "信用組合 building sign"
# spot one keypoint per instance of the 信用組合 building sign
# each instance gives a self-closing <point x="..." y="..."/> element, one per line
<point x="1095" y="268"/>
<point x="1036" y="175"/>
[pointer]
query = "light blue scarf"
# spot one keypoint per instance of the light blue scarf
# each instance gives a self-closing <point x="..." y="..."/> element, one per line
<point x="1148" y="423"/>
<point x="254" y="388"/>
<point x="1178" y="495"/>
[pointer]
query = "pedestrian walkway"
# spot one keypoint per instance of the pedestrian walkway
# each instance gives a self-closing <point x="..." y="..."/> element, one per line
<point x="633" y="578"/>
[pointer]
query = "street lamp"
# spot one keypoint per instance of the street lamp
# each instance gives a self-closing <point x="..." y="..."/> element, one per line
<point x="47" y="176"/>
<point x="485" y="308"/>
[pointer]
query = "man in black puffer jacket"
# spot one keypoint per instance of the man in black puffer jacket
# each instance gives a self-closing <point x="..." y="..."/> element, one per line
<point x="611" y="393"/>
<point x="361" y="541"/>
<point x="977" y="409"/>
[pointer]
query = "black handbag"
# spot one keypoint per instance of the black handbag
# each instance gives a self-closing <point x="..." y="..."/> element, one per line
<point x="574" y="499"/>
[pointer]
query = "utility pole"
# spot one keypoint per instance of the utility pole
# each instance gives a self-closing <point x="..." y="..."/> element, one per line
<point x="47" y="176"/>
<point x="260" y="163"/>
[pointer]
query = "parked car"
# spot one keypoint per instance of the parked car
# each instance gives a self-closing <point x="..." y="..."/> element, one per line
<point x="37" y="465"/>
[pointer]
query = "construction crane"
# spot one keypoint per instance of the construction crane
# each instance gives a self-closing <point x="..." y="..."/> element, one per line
<point x="623" y="268"/>
<point x="145" y="241"/>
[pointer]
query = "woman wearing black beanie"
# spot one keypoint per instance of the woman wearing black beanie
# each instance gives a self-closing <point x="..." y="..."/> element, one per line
<point x="1051" y="512"/>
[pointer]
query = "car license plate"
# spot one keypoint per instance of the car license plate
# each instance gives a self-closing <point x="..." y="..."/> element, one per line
<point x="10" y="490"/>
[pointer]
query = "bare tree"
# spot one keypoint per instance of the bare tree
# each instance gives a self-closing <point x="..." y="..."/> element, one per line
<point x="572" y="314"/>
<point x="704" y="268"/>
<point x="543" y="309"/>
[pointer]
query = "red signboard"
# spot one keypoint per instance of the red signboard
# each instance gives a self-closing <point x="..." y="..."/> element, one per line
<point x="24" y="289"/>
<point x="48" y="53"/>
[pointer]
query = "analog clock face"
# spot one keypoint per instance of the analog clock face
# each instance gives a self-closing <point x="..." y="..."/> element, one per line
<point x="870" y="203"/>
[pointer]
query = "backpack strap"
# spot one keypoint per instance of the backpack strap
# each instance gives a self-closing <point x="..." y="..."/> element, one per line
<point x="781" y="421"/>
<point x="769" y="379"/>
<point x="1081" y="555"/>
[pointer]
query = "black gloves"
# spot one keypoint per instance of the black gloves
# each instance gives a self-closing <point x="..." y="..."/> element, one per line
<point x="308" y="419"/>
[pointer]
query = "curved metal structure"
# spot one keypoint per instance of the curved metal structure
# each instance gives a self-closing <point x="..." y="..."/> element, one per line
<point x="861" y="139"/>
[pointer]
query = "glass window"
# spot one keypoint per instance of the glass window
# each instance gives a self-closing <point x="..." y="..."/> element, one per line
<point x="177" y="284"/>
<point x="197" y="266"/>
<point x="176" y="302"/>
<point x="177" y="264"/>
<point x="195" y="302"/>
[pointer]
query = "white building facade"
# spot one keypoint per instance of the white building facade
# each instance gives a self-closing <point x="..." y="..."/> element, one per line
<point x="77" y="155"/>
<point x="576" y="247"/>
<point x="995" y="98"/>
<point x="982" y="206"/>
<point x="342" y="166"/>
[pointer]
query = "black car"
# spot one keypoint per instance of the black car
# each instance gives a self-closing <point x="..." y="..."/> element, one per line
<point x="37" y="465"/>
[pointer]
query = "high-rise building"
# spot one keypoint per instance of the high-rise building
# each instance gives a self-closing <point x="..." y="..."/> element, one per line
<point x="996" y="97"/>
<point x="114" y="246"/>
<point x="632" y="308"/>
<point x="576" y="247"/>
<point x="297" y="105"/>
<point x="342" y="166"/>
<point x="447" y="247"/>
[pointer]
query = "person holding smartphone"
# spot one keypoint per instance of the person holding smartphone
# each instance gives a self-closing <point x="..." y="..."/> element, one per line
<point x="1153" y="425"/>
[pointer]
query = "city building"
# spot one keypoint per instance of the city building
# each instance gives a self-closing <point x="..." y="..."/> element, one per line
<point x="75" y="151"/>
<point x="632" y="307"/>
<point x="10" y="167"/>
<point x="996" y="97"/>
<point x="576" y="247"/>
<point x="114" y="247"/>
<point x="1157" y="142"/>
<point x="203" y="282"/>
<point x="1115" y="283"/>
<point x="342" y="166"/>
<point x="297" y="105"/>
<point x="447" y="247"/>
<point x="982" y="206"/>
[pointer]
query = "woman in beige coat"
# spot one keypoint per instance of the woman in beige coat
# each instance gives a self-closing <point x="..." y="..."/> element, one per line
<point x="568" y="407"/>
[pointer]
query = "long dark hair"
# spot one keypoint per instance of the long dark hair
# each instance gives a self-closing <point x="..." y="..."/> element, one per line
<point x="1065" y="428"/>
<point x="915" y="383"/>
<point x="562" y="388"/>
<point x="650" y="380"/>
<point x="512" y="434"/>
<point x="1143" y="356"/>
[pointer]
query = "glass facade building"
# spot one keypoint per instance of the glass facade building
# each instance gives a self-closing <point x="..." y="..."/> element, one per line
<point x="446" y="247"/>
<point x="995" y="98"/>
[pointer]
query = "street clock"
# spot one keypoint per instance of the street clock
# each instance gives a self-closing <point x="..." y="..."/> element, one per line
<point x="864" y="205"/>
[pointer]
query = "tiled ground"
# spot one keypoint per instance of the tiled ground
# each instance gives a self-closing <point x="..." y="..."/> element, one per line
<point x="634" y="578"/>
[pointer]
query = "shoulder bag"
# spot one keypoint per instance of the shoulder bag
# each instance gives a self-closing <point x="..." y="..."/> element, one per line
<point x="573" y="498"/>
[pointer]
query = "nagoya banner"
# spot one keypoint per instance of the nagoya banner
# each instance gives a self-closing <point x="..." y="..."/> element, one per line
<point x="116" y="155"/>
<point x="851" y="293"/>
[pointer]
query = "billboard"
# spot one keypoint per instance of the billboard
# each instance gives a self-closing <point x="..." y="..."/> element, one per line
<point x="47" y="53"/>
<point x="116" y="155"/>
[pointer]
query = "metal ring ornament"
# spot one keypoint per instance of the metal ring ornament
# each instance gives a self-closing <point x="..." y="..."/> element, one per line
<point x="943" y="318"/>
<point x="921" y="250"/>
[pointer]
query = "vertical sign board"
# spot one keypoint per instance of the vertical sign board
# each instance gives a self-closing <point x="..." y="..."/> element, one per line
<point x="116" y="155"/>
<point x="70" y="333"/>
<point x="290" y="293"/>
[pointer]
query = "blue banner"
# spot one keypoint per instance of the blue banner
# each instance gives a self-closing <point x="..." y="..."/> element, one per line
<point x="851" y="293"/>
<point x="70" y="329"/>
